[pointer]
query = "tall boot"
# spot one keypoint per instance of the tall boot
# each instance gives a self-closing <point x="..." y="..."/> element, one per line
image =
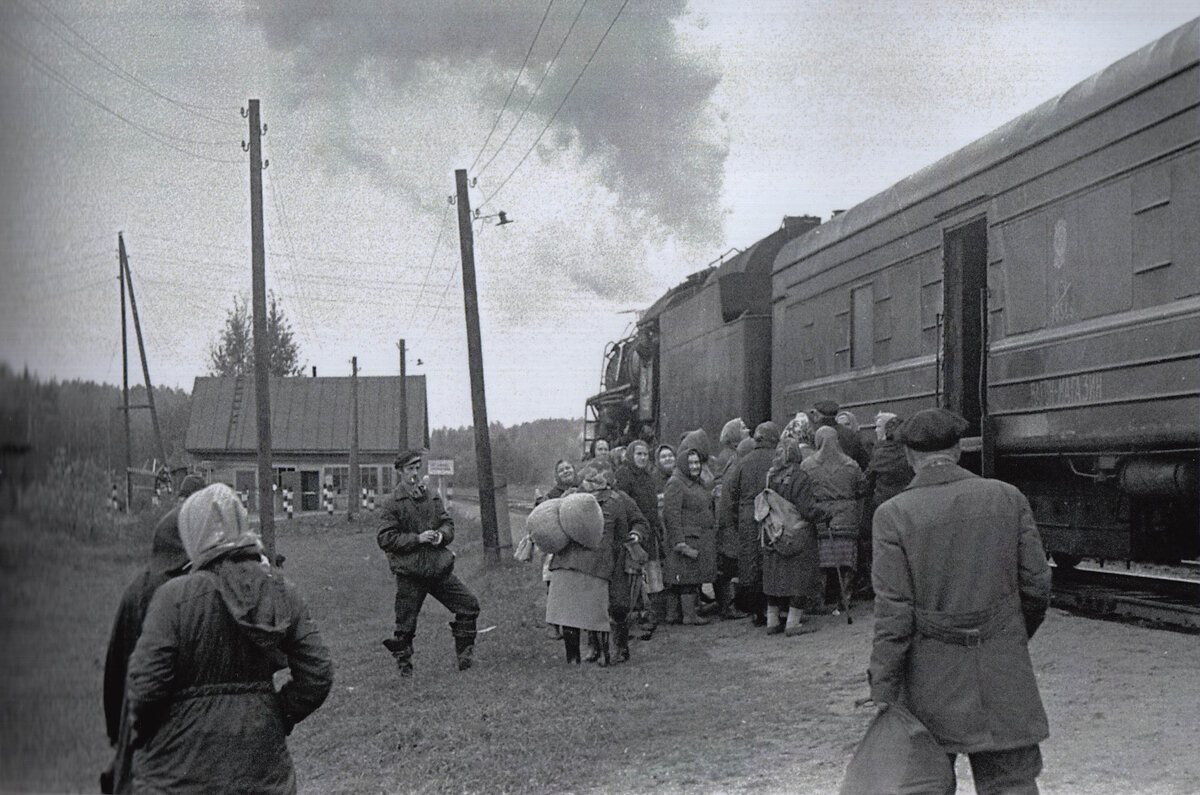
<point x="774" y="625"/>
<point x="687" y="602"/>
<point x="727" y="609"/>
<point x="463" y="630"/>
<point x="571" y="641"/>
<point x="593" y="639"/>
<point x="402" y="651"/>
<point x="620" y="638"/>
<point x="674" y="614"/>
<point x="795" y="623"/>
<point x="602" y="643"/>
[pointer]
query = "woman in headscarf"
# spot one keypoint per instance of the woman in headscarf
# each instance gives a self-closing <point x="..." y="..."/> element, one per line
<point x="838" y="489"/>
<point x="598" y="450"/>
<point x="886" y="476"/>
<point x="635" y="479"/>
<point x="564" y="478"/>
<point x="590" y="588"/>
<point x="664" y="464"/>
<point x="204" y="712"/>
<point x="743" y="483"/>
<point x="791" y="576"/>
<point x="689" y="534"/>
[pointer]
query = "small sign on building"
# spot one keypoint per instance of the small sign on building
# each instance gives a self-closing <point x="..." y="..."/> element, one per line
<point x="441" y="467"/>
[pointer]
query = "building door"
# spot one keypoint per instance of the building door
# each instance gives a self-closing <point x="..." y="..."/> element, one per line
<point x="964" y="286"/>
<point x="310" y="490"/>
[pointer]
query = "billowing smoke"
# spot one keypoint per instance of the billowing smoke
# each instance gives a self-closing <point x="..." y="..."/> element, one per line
<point x="640" y="120"/>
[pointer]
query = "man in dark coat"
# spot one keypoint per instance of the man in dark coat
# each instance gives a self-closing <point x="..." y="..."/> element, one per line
<point x="167" y="560"/>
<point x="415" y="531"/>
<point x="848" y="439"/>
<point x="743" y="483"/>
<point x="961" y="584"/>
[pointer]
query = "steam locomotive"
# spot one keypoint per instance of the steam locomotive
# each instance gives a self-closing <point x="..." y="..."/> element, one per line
<point x="1043" y="281"/>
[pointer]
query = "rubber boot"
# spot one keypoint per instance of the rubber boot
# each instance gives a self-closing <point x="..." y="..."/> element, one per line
<point x="463" y="630"/>
<point x="571" y="641"/>
<point x="795" y="623"/>
<point x="690" y="617"/>
<point x="402" y="651"/>
<point x="602" y="645"/>
<point x="620" y="638"/>
<point x="673" y="612"/>
<point x="593" y="639"/>
<point x="774" y="625"/>
<point x="728" y="610"/>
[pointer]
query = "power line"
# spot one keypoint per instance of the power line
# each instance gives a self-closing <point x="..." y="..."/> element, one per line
<point x="513" y="87"/>
<point x="287" y="238"/>
<point x="160" y="137"/>
<point x="560" y="104"/>
<point x="536" y="89"/>
<point x="118" y="70"/>
<point x="436" y="246"/>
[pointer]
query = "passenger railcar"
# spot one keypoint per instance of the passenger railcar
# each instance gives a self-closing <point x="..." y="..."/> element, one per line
<point x="1044" y="282"/>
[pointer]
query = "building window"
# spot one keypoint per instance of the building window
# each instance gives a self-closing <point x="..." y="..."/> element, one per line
<point x="862" y="326"/>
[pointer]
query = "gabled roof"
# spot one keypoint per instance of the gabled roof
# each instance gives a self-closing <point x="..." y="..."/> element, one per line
<point x="308" y="415"/>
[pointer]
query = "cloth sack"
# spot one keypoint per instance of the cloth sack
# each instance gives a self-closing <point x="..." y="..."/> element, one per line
<point x="581" y="519"/>
<point x="898" y="756"/>
<point x="653" y="574"/>
<point x="544" y="527"/>
<point x="524" y="550"/>
<point x="781" y="527"/>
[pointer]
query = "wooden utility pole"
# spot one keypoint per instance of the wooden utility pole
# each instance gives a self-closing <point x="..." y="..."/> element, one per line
<point x="354" y="486"/>
<point x="403" y="400"/>
<point x="262" y="360"/>
<point x="125" y="388"/>
<point x="483" y="443"/>
<point x="137" y="328"/>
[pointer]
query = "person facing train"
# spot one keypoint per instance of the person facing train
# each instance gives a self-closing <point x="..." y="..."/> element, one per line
<point x="838" y="489"/>
<point x="961" y="585"/>
<point x="791" y="567"/>
<point x="746" y="480"/>
<point x="848" y="440"/>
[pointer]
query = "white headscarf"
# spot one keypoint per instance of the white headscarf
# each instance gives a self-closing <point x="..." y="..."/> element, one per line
<point x="212" y="522"/>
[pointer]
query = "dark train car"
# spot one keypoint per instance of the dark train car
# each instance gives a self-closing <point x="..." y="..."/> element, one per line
<point x="701" y="354"/>
<point x="1044" y="281"/>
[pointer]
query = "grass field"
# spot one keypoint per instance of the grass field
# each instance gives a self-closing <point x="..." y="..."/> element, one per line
<point x="697" y="709"/>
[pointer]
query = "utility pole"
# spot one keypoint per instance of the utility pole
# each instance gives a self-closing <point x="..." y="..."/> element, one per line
<point x="483" y="443"/>
<point x="403" y="400"/>
<point x="355" y="485"/>
<point x="262" y="383"/>
<point x="125" y="388"/>
<point x="137" y="327"/>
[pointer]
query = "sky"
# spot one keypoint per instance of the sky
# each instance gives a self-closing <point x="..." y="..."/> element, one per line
<point x="632" y="143"/>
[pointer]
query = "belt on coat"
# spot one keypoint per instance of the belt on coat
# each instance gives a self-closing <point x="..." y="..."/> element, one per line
<point x="223" y="689"/>
<point x="962" y="629"/>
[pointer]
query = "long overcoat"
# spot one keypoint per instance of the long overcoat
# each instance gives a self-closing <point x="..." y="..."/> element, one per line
<point x="743" y="483"/>
<point x="688" y="517"/>
<point x="642" y="486"/>
<point x="958" y="572"/>
<point x="203" y="708"/>
<point x="796" y="575"/>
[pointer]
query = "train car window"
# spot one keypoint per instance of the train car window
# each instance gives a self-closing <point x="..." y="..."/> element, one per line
<point x="862" y="326"/>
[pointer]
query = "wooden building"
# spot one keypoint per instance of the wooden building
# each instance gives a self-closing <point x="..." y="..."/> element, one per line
<point x="311" y="427"/>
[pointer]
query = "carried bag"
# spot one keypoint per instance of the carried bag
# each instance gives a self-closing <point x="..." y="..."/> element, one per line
<point x="545" y="529"/>
<point x="898" y="756"/>
<point x="653" y="574"/>
<point x="524" y="550"/>
<point x="781" y="527"/>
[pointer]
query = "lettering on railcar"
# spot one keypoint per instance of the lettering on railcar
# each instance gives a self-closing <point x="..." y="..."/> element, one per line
<point x="1070" y="390"/>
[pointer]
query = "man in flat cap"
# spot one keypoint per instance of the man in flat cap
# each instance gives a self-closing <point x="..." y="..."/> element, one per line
<point x="961" y="584"/>
<point x="415" y="531"/>
<point x="826" y="414"/>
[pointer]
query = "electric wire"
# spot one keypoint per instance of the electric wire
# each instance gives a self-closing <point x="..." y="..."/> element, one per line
<point x="560" y="105"/>
<point x="122" y="73"/>
<point x="536" y="89"/>
<point x="302" y="312"/>
<point x="155" y="135"/>
<point x="512" y="88"/>
<point x="436" y="246"/>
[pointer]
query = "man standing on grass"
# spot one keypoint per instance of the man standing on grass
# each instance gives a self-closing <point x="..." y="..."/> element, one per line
<point x="415" y="532"/>
<point x="961" y="584"/>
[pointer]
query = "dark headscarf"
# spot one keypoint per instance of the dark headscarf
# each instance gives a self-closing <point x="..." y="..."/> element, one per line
<point x="767" y="432"/>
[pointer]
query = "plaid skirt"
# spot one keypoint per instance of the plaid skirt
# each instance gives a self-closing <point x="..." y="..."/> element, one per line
<point x="839" y="551"/>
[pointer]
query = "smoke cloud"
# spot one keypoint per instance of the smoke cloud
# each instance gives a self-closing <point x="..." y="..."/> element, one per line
<point x="641" y="120"/>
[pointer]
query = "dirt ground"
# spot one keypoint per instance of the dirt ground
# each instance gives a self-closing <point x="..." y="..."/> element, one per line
<point x="722" y="708"/>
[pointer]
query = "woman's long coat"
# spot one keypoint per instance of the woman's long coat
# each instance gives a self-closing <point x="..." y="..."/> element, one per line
<point x="203" y="709"/>
<point x="797" y="575"/>
<point x="643" y="487"/>
<point x="960" y="581"/>
<point x="688" y="517"/>
<point x="743" y="483"/>
<point x="838" y="489"/>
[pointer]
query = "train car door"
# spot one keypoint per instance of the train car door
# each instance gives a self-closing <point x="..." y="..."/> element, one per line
<point x="964" y="365"/>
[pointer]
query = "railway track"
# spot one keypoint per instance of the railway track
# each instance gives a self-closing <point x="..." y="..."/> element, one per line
<point x="1158" y="601"/>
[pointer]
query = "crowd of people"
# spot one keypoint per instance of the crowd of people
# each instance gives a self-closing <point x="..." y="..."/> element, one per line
<point x="686" y="537"/>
